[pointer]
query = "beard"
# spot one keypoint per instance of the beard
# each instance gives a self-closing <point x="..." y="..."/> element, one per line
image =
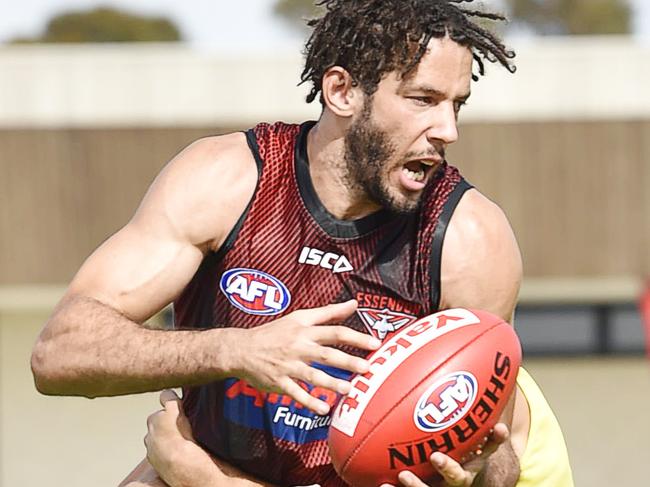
<point x="369" y="152"/>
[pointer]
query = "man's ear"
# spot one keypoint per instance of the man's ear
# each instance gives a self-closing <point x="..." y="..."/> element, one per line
<point x="340" y="94"/>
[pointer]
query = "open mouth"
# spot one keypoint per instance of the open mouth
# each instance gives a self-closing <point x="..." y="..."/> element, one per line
<point x="415" y="173"/>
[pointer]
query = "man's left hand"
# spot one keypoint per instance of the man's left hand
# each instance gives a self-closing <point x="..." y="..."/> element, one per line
<point x="452" y="472"/>
<point x="171" y="448"/>
<point x="179" y="460"/>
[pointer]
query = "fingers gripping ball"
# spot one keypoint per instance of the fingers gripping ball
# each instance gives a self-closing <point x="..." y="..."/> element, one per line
<point x="440" y="384"/>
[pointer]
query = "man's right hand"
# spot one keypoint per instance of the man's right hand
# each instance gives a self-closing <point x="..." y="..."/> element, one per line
<point x="274" y="356"/>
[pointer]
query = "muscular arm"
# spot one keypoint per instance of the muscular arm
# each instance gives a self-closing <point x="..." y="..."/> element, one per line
<point x="94" y="344"/>
<point x="482" y="269"/>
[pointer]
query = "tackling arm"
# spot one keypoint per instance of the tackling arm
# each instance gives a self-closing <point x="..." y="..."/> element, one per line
<point x="177" y="458"/>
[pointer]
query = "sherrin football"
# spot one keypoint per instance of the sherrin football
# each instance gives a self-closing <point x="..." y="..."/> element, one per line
<point x="440" y="384"/>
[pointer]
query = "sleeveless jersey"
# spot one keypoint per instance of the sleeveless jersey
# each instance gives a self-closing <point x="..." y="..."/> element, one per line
<point x="286" y="253"/>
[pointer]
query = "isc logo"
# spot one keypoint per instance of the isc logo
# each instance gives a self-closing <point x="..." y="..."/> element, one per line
<point x="445" y="402"/>
<point x="255" y="292"/>
<point x="327" y="260"/>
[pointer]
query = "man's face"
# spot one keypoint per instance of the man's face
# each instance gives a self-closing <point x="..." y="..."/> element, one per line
<point x="396" y="142"/>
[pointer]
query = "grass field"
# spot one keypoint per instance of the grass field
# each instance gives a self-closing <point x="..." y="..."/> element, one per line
<point x="602" y="404"/>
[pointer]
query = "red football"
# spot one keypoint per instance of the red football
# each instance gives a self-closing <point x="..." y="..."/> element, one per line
<point x="439" y="384"/>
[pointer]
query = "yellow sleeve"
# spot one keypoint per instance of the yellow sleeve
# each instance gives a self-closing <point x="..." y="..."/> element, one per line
<point x="545" y="462"/>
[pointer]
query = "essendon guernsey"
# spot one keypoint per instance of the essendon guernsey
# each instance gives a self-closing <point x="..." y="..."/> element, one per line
<point x="288" y="253"/>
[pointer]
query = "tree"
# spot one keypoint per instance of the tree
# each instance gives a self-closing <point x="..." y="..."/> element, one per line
<point x="296" y="11"/>
<point x="106" y="25"/>
<point x="562" y="17"/>
<point x="574" y="17"/>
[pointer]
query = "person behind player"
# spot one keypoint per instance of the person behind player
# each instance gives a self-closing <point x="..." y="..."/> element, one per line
<point x="255" y="235"/>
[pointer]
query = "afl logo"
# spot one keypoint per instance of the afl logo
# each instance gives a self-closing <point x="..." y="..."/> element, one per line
<point x="255" y="292"/>
<point x="445" y="402"/>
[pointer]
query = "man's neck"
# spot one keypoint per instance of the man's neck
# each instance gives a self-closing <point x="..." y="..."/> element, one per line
<point x="329" y="174"/>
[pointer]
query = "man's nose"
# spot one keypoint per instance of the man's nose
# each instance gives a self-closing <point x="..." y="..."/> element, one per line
<point x="444" y="125"/>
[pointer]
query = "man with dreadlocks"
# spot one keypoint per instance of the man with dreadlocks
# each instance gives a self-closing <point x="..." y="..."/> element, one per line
<point x="354" y="223"/>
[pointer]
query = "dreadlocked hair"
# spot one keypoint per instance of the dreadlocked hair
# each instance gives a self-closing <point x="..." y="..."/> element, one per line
<point x="370" y="38"/>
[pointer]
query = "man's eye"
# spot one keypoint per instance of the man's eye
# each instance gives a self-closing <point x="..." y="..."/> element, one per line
<point x="422" y="100"/>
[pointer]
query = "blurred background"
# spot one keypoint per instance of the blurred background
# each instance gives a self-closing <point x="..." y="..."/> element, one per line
<point x="95" y="97"/>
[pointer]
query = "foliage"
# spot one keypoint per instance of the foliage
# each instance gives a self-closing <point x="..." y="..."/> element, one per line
<point x="574" y="17"/>
<point x="106" y="25"/>
<point x="297" y="11"/>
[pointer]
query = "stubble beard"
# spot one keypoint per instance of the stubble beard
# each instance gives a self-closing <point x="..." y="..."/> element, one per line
<point x="369" y="152"/>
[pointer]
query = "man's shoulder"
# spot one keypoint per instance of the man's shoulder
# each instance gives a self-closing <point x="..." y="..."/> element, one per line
<point x="215" y="149"/>
<point x="206" y="187"/>
<point x="214" y="157"/>
<point x="477" y="215"/>
<point x="481" y="224"/>
<point x="481" y="262"/>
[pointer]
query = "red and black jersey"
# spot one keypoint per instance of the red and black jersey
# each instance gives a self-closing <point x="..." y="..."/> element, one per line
<point x="287" y="253"/>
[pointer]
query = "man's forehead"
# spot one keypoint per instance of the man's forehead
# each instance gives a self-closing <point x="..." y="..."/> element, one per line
<point x="431" y="89"/>
<point x="446" y="51"/>
<point x="443" y="60"/>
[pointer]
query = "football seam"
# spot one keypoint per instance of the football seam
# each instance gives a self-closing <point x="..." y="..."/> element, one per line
<point x="396" y="405"/>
